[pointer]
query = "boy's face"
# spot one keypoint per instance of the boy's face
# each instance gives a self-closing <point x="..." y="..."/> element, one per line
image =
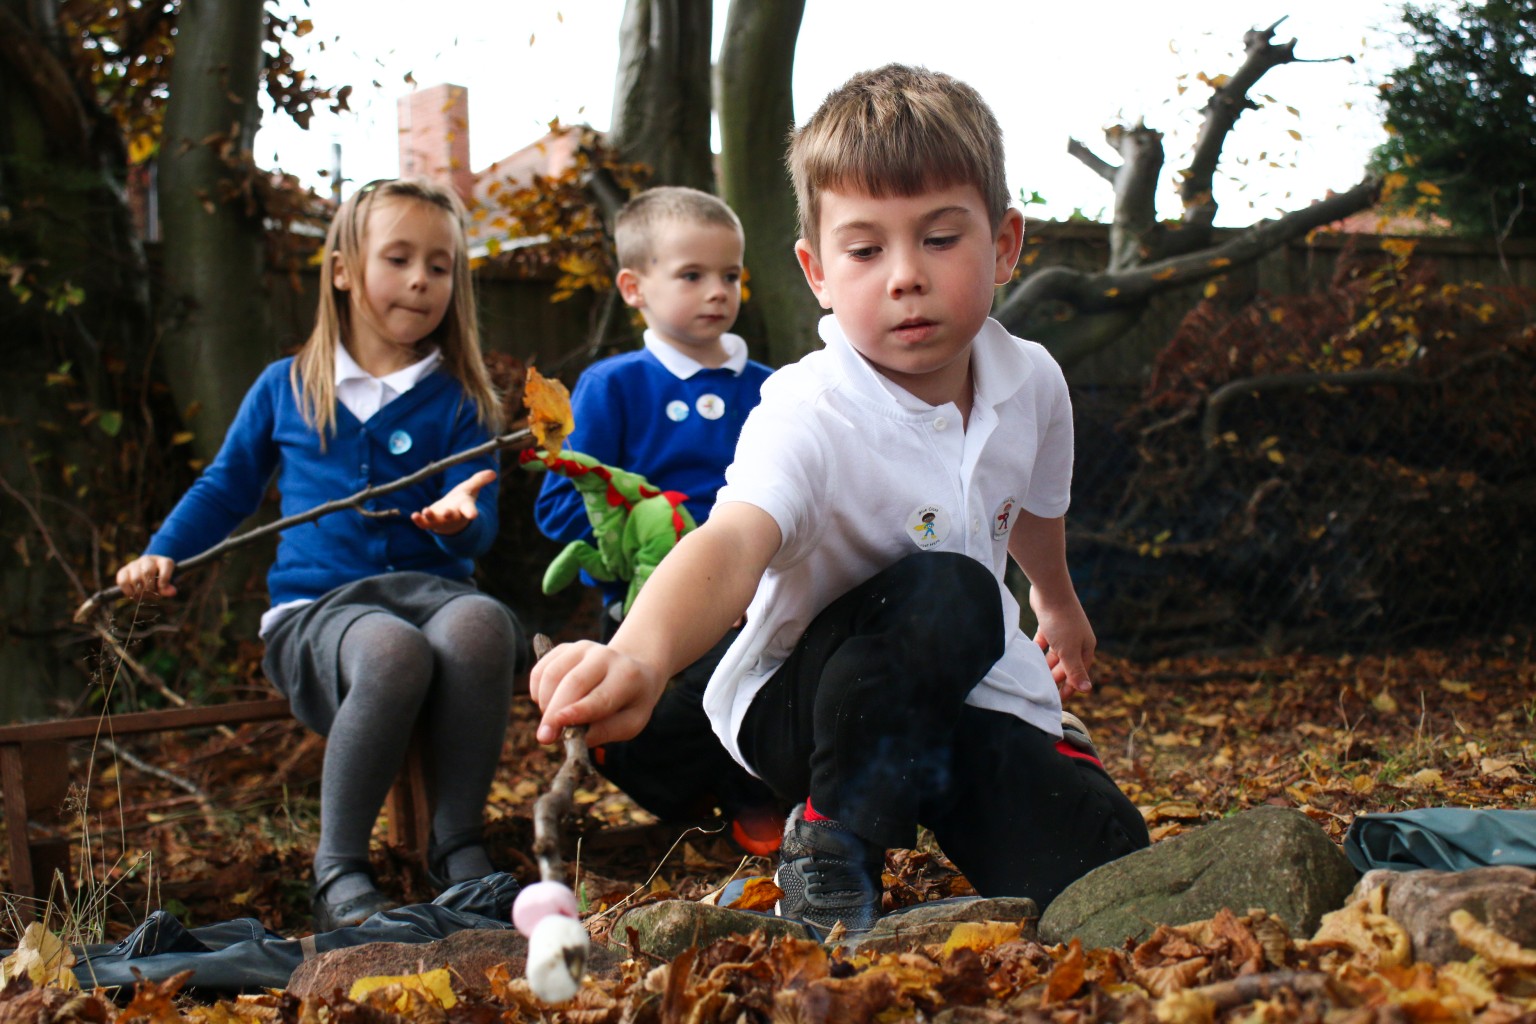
<point x="910" y="279"/>
<point x="690" y="291"/>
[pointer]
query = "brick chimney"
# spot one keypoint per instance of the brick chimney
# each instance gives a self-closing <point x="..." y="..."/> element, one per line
<point x="434" y="137"/>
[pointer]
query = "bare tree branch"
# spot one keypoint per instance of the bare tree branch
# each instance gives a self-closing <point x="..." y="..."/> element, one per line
<point x="549" y="808"/>
<point x="1103" y="292"/>
<point x="1098" y="165"/>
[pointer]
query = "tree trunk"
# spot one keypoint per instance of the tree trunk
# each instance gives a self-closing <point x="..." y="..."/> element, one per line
<point x="217" y="328"/>
<point x="74" y="329"/>
<point x="661" y="102"/>
<point x="756" y="115"/>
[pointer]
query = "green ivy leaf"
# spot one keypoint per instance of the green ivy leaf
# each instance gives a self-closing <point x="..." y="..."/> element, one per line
<point x="111" y="423"/>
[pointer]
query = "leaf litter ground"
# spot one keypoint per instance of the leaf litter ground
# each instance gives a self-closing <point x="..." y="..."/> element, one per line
<point x="1191" y="740"/>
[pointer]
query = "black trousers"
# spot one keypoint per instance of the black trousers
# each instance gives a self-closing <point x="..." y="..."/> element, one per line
<point x="676" y="768"/>
<point x="867" y="717"/>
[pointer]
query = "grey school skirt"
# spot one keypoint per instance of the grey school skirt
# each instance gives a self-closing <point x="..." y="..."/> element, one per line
<point x="303" y="655"/>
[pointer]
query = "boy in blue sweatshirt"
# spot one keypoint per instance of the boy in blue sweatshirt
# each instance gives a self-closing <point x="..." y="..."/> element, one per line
<point x="671" y="412"/>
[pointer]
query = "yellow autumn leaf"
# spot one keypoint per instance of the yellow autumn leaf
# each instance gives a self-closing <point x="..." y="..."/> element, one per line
<point x="1402" y="247"/>
<point x="1384" y="702"/>
<point x="1211" y="289"/>
<point x="549" y="410"/>
<point x="1428" y="188"/>
<point x="758" y="894"/>
<point x="1293" y="133"/>
<point x="1454" y="686"/>
<point x="1164" y="274"/>
<point x="1497" y="949"/>
<point x="980" y="935"/>
<point x="434" y="985"/>
<point x="42" y="957"/>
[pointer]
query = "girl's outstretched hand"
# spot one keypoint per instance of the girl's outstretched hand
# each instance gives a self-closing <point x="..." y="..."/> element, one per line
<point x="454" y="510"/>
<point x="146" y="575"/>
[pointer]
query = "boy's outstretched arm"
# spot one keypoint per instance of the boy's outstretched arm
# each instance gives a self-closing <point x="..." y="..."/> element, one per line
<point x="697" y="592"/>
<point x="1040" y="547"/>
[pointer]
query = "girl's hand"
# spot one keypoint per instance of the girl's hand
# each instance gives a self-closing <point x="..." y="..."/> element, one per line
<point x="1069" y="645"/>
<point x="456" y="509"/>
<point x="145" y="575"/>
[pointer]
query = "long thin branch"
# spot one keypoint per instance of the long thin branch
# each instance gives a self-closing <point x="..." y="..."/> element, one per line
<point x="560" y="800"/>
<point x="355" y="501"/>
<point x="1210" y="423"/>
<point x="1102" y="292"/>
<point x="1095" y="163"/>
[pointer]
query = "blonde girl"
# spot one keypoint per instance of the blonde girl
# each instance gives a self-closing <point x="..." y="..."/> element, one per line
<point x="375" y="625"/>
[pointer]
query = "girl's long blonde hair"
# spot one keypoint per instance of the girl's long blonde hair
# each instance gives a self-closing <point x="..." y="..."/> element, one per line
<point x="458" y="337"/>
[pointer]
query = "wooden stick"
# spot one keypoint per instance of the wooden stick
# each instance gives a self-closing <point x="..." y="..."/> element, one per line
<point x="559" y="801"/>
<point x="356" y="501"/>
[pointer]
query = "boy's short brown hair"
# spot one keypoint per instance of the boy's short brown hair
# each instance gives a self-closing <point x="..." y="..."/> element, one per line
<point x="636" y="223"/>
<point x="897" y="131"/>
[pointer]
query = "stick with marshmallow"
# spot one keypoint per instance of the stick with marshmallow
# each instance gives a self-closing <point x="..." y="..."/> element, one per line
<point x="546" y="911"/>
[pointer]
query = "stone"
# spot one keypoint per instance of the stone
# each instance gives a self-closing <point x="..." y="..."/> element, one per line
<point x="1274" y="858"/>
<point x="1503" y="898"/>
<point x="468" y="954"/>
<point x="928" y="923"/>
<point x="667" y="928"/>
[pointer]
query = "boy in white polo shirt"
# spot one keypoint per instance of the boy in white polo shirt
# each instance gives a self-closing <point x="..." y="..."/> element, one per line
<point x="877" y="493"/>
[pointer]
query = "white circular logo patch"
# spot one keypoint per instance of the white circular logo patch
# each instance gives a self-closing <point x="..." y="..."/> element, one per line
<point x="1003" y="519"/>
<point x="711" y="407"/>
<point x="928" y="525"/>
<point x="677" y="411"/>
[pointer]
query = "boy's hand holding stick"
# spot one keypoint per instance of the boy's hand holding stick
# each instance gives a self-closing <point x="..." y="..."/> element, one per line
<point x="546" y="912"/>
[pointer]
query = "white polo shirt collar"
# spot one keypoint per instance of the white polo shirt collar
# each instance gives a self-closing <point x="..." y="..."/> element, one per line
<point x="999" y="364"/>
<point x="363" y="394"/>
<point x="682" y="366"/>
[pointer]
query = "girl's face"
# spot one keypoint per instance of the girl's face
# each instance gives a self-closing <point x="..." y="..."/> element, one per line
<point x="402" y="290"/>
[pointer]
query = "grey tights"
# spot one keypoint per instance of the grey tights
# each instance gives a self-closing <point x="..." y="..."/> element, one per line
<point x="454" y="675"/>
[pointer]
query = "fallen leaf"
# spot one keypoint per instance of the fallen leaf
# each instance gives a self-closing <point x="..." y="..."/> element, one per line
<point x="42" y="957"/>
<point x="435" y="985"/>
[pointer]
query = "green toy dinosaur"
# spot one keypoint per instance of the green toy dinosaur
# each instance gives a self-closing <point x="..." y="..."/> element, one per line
<point x="634" y="524"/>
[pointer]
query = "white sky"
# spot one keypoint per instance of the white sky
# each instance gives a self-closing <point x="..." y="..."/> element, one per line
<point x="1050" y="71"/>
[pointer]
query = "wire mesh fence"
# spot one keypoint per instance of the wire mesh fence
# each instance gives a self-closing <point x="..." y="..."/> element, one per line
<point x="1353" y="468"/>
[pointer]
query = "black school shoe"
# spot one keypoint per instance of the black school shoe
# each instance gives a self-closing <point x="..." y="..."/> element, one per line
<point x="828" y="875"/>
<point x="345" y="913"/>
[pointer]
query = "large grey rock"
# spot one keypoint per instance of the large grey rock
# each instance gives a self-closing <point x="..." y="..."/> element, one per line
<point x="1273" y="858"/>
<point x="469" y="953"/>
<point x="929" y="923"/>
<point x="1503" y="898"/>
<point x="667" y="928"/>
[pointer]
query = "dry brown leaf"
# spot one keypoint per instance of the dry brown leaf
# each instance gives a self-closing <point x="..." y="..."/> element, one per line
<point x="758" y="894"/>
<point x="549" y="411"/>
<point x="1066" y="978"/>
<point x="42" y="957"/>
<point x="1497" y="949"/>
<point x="1377" y="940"/>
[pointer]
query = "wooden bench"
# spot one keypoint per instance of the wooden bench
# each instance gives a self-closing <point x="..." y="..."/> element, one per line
<point x="35" y="778"/>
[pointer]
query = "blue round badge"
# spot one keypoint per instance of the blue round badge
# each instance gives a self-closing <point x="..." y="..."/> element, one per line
<point x="677" y="411"/>
<point x="399" y="443"/>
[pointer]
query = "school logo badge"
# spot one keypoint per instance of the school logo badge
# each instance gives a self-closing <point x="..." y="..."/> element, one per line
<point x="711" y="407"/>
<point x="677" y="411"/>
<point x="928" y="525"/>
<point x="1003" y="520"/>
<point x="399" y="443"/>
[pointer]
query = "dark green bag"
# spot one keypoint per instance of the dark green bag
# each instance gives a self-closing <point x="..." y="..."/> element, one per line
<point x="1442" y="839"/>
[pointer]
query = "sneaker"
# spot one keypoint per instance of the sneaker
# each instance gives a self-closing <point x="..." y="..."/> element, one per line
<point x="828" y="875"/>
<point x="1076" y="733"/>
